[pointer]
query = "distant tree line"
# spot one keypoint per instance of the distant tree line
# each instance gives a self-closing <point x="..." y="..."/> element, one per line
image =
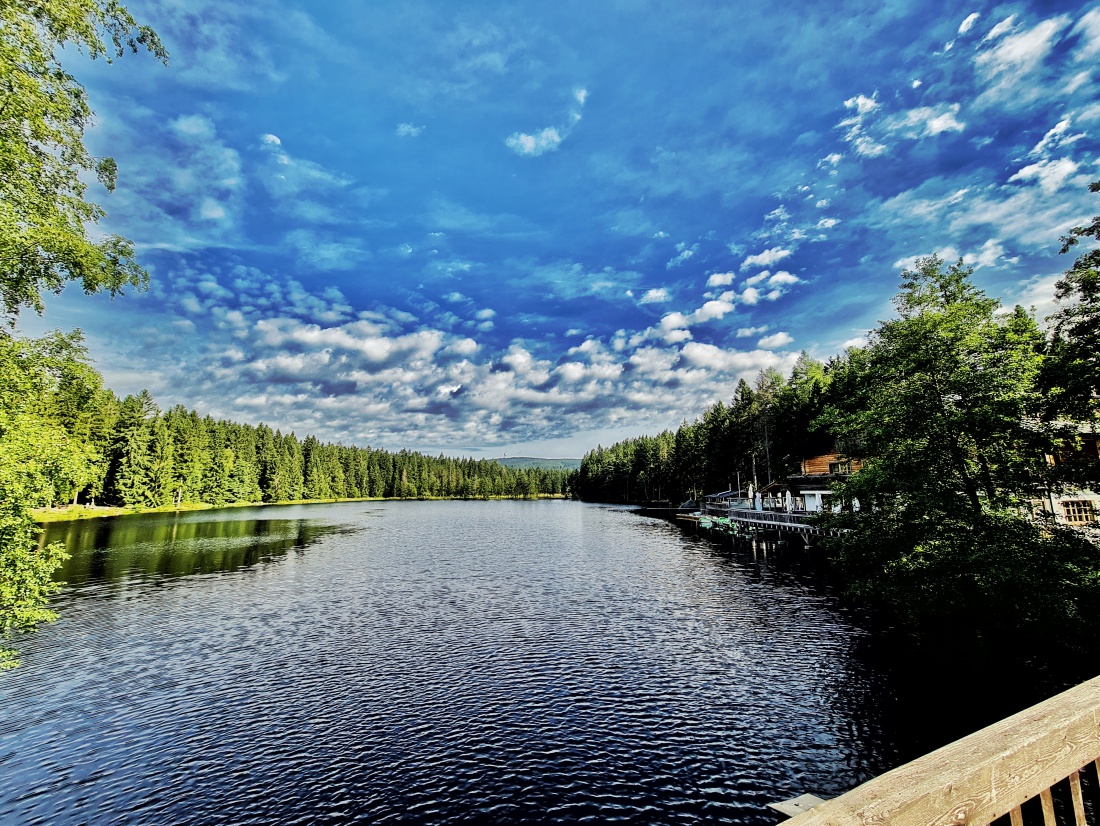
<point x="754" y="438"/>
<point x="127" y="452"/>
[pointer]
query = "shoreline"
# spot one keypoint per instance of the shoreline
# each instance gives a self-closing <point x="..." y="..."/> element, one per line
<point x="75" y="513"/>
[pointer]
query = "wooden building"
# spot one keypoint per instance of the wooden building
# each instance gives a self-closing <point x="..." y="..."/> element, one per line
<point x="820" y="464"/>
<point x="1077" y="507"/>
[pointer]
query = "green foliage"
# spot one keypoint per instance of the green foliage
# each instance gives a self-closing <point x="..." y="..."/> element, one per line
<point x="44" y="164"/>
<point x="1073" y="372"/>
<point x="944" y="401"/>
<point x="995" y="575"/>
<point x="40" y="461"/>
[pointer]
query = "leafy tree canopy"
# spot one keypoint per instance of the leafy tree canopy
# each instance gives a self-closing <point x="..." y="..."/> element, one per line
<point x="1074" y="369"/>
<point x="44" y="110"/>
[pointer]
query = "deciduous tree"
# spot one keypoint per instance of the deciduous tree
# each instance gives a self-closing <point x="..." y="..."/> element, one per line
<point x="44" y="164"/>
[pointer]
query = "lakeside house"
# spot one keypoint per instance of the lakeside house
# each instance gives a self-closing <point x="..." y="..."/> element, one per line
<point x="1077" y="507"/>
<point x="821" y="465"/>
<point x="817" y="473"/>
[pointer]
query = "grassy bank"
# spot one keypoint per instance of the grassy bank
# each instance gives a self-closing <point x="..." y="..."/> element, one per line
<point x="72" y="513"/>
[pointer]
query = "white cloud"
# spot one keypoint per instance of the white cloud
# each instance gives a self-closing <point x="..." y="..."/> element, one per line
<point x="1051" y="175"/>
<point x="685" y="253"/>
<point x="675" y="321"/>
<point x="862" y="143"/>
<point x="766" y="258"/>
<point x="928" y="121"/>
<point x="300" y="187"/>
<point x="858" y="341"/>
<point x="548" y="140"/>
<point x="654" y="296"/>
<point x="712" y="310"/>
<point x="1088" y="27"/>
<point x="720" y="279"/>
<point x="676" y="336"/>
<point x="774" y="342"/>
<point x="992" y="251"/>
<point x="1055" y="139"/>
<point x="709" y="357"/>
<point x="1077" y="81"/>
<point x="968" y="23"/>
<point x="748" y="332"/>
<point x="827" y="223"/>
<point x="408" y="130"/>
<point x="321" y="251"/>
<point x="868" y="147"/>
<point x="1038" y="292"/>
<point x="1017" y="55"/>
<point x="750" y="296"/>
<point x="211" y="210"/>
<point x="783" y="279"/>
<point x="1089" y="113"/>
<point x="1004" y="27"/>
<point x="862" y="104"/>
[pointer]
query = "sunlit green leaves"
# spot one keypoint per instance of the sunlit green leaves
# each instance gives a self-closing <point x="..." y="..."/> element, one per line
<point x="44" y="211"/>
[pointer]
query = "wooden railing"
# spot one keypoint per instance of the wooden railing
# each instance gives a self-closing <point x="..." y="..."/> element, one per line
<point x="985" y="776"/>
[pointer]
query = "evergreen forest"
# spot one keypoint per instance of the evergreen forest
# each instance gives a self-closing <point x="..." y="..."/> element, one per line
<point x="128" y="452"/>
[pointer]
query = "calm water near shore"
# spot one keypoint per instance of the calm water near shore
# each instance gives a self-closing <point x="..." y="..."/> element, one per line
<point x="436" y="662"/>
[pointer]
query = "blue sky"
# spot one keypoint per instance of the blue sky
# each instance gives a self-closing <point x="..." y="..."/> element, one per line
<point x="531" y="227"/>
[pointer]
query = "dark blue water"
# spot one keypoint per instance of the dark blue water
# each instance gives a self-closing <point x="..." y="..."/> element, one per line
<point x="436" y="662"/>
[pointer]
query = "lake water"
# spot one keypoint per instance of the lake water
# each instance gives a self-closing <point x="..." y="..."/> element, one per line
<point x="432" y="662"/>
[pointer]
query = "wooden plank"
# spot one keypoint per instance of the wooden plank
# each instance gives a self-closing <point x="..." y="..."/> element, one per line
<point x="796" y="805"/>
<point x="981" y="777"/>
<point x="1078" y="801"/>
<point x="1048" y="808"/>
<point x="1017" y="817"/>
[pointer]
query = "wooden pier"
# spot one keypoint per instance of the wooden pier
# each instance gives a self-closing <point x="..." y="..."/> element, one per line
<point x="744" y="521"/>
<point x="1024" y="767"/>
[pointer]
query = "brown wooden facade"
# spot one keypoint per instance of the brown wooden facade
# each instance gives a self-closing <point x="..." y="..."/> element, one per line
<point x="836" y="464"/>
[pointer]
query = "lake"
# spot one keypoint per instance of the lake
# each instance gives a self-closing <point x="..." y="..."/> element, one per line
<point x="436" y="662"/>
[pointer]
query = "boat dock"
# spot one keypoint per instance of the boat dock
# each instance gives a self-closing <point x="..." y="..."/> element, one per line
<point x="745" y="517"/>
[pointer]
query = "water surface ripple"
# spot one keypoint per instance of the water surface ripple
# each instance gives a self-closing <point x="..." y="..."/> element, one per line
<point x="436" y="662"/>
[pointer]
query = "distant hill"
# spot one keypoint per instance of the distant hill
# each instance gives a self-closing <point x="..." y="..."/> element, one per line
<point x="524" y="462"/>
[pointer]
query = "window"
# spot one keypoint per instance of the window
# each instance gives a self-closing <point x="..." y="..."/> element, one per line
<point x="840" y="467"/>
<point x="1079" y="511"/>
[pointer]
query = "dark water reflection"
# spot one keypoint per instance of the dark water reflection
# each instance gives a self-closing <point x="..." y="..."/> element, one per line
<point x="443" y="662"/>
<point x="168" y="545"/>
